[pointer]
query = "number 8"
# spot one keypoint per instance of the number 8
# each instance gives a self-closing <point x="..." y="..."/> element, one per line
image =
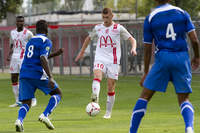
<point x="30" y="51"/>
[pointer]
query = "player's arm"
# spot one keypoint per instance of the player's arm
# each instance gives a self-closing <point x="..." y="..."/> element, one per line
<point x="85" y="45"/>
<point x="126" y="35"/>
<point x="45" y="65"/>
<point x="195" y="45"/>
<point x="10" y="52"/>
<point x="134" y="45"/>
<point x="56" y="53"/>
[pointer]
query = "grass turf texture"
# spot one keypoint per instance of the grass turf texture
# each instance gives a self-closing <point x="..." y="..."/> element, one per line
<point x="162" y="116"/>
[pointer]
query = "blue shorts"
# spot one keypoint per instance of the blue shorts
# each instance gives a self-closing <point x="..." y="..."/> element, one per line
<point x="170" y="66"/>
<point x="27" y="88"/>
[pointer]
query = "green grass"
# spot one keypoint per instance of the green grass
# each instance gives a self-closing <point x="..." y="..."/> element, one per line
<point x="162" y="116"/>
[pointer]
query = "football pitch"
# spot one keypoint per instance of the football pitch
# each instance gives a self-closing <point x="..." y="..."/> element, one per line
<point x="162" y="116"/>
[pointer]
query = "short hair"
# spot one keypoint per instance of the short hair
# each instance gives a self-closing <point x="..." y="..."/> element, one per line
<point x="41" y="27"/>
<point x="106" y="11"/>
<point x="163" y="1"/>
<point x="19" y="17"/>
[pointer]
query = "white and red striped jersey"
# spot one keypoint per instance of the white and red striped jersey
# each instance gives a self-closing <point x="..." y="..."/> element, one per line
<point x="19" y="41"/>
<point x="108" y="47"/>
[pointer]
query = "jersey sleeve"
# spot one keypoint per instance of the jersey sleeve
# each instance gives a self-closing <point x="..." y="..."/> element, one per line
<point x="11" y="39"/>
<point x="30" y="35"/>
<point x="124" y="33"/>
<point x="147" y="32"/>
<point x="93" y="33"/>
<point x="189" y="24"/>
<point x="46" y="48"/>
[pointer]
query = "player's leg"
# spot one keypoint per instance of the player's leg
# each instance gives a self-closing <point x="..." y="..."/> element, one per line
<point x="54" y="100"/>
<point x="140" y="109"/>
<point x="98" y="70"/>
<point x="15" y="88"/>
<point x="96" y="85"/>
<point x="181" y="79"/>
<point x="26" y="93"/>
<point x="110" y="98"/>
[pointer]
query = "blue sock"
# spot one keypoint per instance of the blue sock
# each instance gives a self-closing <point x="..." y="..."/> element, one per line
<point x="138" y="113"/>
<point x="22" y="112"/>
<point x="53" y="101"/>
<point x="187" y="112"/>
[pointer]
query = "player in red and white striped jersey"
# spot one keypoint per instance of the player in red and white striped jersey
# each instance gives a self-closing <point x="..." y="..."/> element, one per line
<point x="18" y="40"/>
<point x="108" y="54"/>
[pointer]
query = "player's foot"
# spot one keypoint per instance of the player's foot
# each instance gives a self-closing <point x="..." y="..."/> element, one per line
<point x="34" y="102"/>
<point x="107" y="115"/>
<point x="189" y="130"/>
<point x="17" y="104"/>
<point x="19" y="126"/>
<point x="94" y="98"/>
<point x="46" y="121"/>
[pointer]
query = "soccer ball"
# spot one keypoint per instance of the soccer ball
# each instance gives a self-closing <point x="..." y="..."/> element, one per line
<point x="92" y="109"/>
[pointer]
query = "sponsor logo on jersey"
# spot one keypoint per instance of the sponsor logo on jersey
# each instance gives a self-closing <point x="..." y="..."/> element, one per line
<point x="106" y="41"/>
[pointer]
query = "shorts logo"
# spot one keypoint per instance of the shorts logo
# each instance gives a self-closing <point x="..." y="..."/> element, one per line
<point x="104" y="41"/>
<point x="47" y="48"/>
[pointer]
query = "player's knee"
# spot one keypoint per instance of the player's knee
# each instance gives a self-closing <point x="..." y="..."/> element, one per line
<point x="28" y="102"/>
<point x="57" y="91"/>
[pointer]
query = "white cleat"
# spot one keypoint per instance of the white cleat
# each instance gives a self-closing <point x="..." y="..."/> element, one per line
<point x="17" y="104"/>
<point x="107" y="116"/>
<point x="34" y="102"/>
<point x="46" y="121"/>
<point x="19" y="126"/>
<point x="189" y="130"/>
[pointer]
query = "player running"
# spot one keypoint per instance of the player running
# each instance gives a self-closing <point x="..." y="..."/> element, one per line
<point x="108" y="54"/>
<point x="18" y="40"/>
<point x="35" y="73"/>
<point x="167" y="27"/>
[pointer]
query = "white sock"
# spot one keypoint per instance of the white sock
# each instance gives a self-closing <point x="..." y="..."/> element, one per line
<point x="96" y="87"/>
<point x="110" y="102"/>
<point x="15" y="87"/>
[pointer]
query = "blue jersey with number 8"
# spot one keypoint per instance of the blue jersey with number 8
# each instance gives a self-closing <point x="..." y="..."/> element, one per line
<point x="31" y="67"/>
<point x="167" y="26"/>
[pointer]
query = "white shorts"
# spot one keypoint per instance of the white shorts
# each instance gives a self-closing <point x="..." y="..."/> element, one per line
<point x="110" y="70"/>
<point x="15" y="65"/>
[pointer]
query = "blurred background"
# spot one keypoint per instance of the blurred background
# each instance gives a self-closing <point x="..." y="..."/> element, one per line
<point x="70" y="21"/>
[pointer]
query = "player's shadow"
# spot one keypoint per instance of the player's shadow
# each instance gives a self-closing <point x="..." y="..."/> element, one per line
<point x="8" y="131"/>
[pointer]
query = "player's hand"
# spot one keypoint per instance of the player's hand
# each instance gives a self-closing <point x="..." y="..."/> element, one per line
<point x="195" y="63"/>
<point x="79" y="56"/>
<point x="133" y="52"/>
<point x="142" y="79"/>
<point x="60" y="51"/>
<point x="8" y="58"/>
<point x="51" y="83"/>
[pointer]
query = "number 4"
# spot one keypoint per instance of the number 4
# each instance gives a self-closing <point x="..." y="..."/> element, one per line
<point x="170" y="32"/>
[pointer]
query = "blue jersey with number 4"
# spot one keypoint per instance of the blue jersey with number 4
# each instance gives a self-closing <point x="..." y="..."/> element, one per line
<point x="31" y="67"/>
<point x="167" y="26"/>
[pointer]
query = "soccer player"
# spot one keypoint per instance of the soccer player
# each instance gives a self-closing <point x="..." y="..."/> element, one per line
<point x="35" y="73"/>
<point x="18" y="40"/>
<point x="167" y="27"/>
<point x="108" y="54"/>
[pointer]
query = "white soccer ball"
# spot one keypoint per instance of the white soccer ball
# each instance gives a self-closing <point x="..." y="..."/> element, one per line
<point x="92" y="109"/>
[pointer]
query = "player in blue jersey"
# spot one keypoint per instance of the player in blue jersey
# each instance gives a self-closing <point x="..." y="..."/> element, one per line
<point x="35" y="73"/>
<point x="167" y="27"/>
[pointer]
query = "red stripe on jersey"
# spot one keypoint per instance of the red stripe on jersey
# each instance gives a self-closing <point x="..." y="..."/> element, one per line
<point x="22" y="54"/>
<point x="25" y="31"/>
<point x="111" y="93"/>
<point x="115" y="26"/>
<point x="115" y="55"/>
<point x="96" y="79"/>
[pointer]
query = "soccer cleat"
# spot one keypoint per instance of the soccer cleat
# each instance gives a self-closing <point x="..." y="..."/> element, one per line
<point x="19" y="126"/>
<point x="94" y="98"/>
<point x="17" y="104"/>
<point x="107" y="115"/>
<point x="46" y="121"/>
<point x="189" y="130"/>
<point x="34" y="102"/>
